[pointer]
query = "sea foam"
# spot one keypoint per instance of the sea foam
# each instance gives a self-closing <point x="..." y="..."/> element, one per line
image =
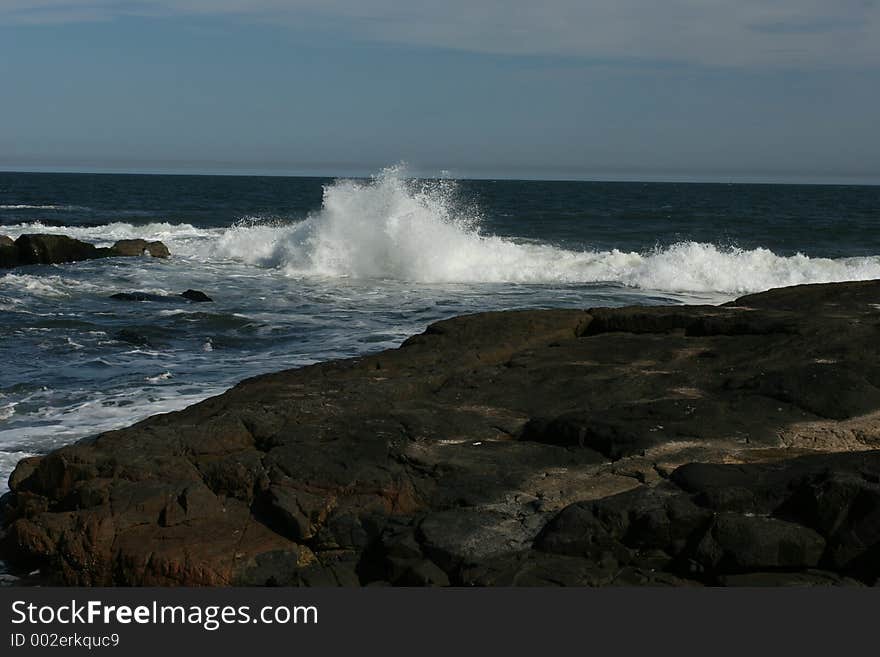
<point x="391" y="227"/>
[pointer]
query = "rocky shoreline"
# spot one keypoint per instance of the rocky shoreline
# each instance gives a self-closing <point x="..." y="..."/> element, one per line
<point x="686" y="445"/>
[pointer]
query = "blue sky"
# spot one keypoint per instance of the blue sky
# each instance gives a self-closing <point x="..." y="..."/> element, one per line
<point x="625" y="89"/>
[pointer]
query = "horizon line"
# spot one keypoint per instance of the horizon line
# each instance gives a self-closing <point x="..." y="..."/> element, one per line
<point x="464" y="174"/>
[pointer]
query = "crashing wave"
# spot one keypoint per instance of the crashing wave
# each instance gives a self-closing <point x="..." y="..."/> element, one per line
<point x="394" y="228"/>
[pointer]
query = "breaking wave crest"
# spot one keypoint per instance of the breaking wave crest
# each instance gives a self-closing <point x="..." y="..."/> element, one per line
<point x="25" y="206"/>
<point x="394" y="228"/>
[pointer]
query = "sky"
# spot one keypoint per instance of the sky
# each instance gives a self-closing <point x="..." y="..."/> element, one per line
<point x="772" y="90"/>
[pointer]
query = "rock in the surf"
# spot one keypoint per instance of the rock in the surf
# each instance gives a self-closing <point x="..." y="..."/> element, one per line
<point x="49" y="249"/>
<point x="196" y="296"/>
<point x="143" y="296"/>
<point x="140" y="247"/>
<point x="193" y="296"/>
<point x="8" y="253"/>
<point x="133" y="337"/>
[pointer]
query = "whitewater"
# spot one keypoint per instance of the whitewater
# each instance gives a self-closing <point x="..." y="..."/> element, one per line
<point x="377" y="260"/>
<point x="397" y="229"/>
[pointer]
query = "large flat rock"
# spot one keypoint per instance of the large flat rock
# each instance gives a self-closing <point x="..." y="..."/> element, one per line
<point x="687" y="445"/>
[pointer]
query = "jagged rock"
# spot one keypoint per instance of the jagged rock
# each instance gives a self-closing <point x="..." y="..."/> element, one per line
<point x="661" y="446"/>
<point x="298" y="514"/>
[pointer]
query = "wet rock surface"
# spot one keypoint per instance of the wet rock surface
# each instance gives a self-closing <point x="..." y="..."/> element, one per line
<point x="139" y="248"/>
<point x="196" y="296"/>
<point x="193" y="296"/>
<point x="47" y="249"/>
<point x="736" y="445"/>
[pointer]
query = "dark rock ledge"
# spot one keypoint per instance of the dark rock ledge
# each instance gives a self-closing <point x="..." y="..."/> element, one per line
<point x="47" y="249"/>
<point x="730" y="445"/>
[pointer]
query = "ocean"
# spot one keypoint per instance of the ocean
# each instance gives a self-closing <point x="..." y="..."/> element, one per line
<point x="309" y="269"/>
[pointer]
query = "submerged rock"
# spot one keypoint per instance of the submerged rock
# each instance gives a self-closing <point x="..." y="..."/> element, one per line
<point x="196" y="296"/>
<point x="133" y="337"/>
<point x="47" y="249"/>
<point x="632" y="446"/>
<point x="142" y="296"/>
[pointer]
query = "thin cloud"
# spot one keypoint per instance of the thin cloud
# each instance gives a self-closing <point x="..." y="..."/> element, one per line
<point x="742" y="33"/>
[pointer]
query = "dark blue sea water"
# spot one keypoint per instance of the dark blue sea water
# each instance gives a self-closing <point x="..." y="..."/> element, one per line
<point x="306" y="269"/>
